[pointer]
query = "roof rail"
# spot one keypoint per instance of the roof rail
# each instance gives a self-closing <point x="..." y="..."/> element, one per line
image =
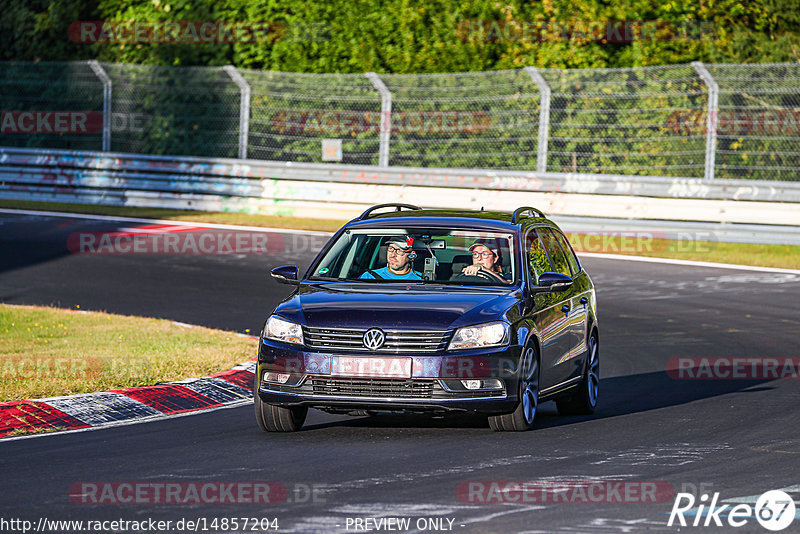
<point x="518" y="213"/>
<point x="395" y="205"/>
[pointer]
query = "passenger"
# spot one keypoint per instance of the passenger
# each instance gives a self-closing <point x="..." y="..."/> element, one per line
<point x="399" y="258"/>
<point x="486" y="259"/>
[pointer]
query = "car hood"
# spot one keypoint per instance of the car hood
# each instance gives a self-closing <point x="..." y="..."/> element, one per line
<point x="408" y="307"/>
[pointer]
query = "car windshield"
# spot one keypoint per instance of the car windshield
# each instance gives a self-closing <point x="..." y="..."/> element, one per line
<point x="441" y="256"/>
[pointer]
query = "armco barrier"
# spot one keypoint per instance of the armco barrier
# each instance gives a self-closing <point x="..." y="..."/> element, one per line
<point x="338" y="191"/>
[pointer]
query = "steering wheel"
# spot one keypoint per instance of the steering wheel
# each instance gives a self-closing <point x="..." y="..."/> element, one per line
<point x="480" y="275"/>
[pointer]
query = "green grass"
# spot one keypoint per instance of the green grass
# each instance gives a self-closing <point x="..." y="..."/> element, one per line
<point x="783" y="256"/>
<point x="46" y="352"/>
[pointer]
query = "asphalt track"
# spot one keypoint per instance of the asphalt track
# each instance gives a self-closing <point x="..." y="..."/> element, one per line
<point x="736" y="437"/>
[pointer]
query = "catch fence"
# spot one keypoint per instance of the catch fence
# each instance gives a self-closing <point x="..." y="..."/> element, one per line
<point x="685" y="121"/>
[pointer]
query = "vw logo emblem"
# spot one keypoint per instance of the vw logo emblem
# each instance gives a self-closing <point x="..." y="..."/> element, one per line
<point x="374" y="338"/>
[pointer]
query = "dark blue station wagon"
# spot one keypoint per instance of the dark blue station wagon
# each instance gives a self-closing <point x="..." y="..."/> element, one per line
<point x="432" y="311"/>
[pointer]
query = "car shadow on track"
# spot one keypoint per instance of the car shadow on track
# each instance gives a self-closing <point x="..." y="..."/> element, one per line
<point x="625" y="395"/>
<point x="408" y="421"/>
<point x="620" y="395"/>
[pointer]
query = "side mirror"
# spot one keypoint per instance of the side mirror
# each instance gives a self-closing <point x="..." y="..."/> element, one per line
<point x="285" y="274"/>
<point x="552" y="282"/>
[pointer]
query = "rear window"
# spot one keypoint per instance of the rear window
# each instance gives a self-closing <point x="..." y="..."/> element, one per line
<point x="574" y="264"/>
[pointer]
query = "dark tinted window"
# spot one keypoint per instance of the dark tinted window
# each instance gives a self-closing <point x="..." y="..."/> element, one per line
<point x="557" y="255"/>
<point x="536" y="257"/>
<point x="571" y="257"/>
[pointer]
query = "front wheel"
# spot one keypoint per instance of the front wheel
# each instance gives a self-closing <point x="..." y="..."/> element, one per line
<point x="584" y="401"/>
<point x="273" y="418"/>
<point x="522" y="418"/>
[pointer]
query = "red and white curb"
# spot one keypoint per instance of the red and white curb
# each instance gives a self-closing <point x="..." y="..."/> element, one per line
<point x="119" y="406"/>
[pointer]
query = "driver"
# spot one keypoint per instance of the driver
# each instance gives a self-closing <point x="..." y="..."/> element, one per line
<point x="399" y="257"/>
<point x="486" y="259"/>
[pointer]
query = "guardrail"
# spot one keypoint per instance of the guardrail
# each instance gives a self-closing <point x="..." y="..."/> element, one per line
<point x="337" y="191"/>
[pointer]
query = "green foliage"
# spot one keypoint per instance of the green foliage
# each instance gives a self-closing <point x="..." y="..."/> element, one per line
<point x="36" y="30"/>
<point x="402" y="36"/>
<point x="160" y="53"/>
<point x="601" y="121"/>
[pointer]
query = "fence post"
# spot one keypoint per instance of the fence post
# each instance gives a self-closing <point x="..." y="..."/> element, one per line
<point x="244" y="108"/>
<point x="544" y="117"/>
<point x="101" y="74"/>
<point x="711" y="121"/>
<point x="386" y="117"/>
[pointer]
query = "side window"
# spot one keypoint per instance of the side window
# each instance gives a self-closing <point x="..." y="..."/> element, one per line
<point x="571" y="257"/>
<point x="557" y="256"/>
<point x="536" y="255"/>
<point x="359" y="256"/>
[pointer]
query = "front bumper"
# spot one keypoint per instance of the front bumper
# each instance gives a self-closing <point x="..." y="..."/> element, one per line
<point x="435" y="384"/>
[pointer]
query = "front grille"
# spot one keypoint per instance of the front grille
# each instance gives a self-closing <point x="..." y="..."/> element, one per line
<point x="396" y="340"/>
<point x="370" y="387"/>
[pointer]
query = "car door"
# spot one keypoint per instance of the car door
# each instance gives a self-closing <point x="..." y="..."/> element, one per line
<point x="579" y="300"/>
<point x="547" y="315"/>
<point x="571" y="311"/>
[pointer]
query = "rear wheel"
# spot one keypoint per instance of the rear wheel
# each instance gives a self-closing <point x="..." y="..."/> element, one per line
<point x="273" y="418"/>
<point x="523" y="417"/>
<point x="584" y="401"/>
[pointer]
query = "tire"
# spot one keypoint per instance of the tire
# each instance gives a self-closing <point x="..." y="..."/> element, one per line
<point x="523" y="417"/>
<point x="273" y="418"/>
<point x="584" y="401"/>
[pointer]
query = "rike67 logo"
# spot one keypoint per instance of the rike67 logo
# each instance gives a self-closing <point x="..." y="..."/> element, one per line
<point x="774" y="510"/>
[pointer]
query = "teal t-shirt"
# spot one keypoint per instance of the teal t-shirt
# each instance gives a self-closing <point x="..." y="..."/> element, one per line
<point x="388" y="275"/>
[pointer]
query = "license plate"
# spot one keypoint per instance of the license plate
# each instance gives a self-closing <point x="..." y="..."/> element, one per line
<point x="368" y="367"/>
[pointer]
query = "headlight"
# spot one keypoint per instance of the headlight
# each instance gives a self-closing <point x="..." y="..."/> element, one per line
<point x="484" y="335"/>
<point x="282" y="330"/>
